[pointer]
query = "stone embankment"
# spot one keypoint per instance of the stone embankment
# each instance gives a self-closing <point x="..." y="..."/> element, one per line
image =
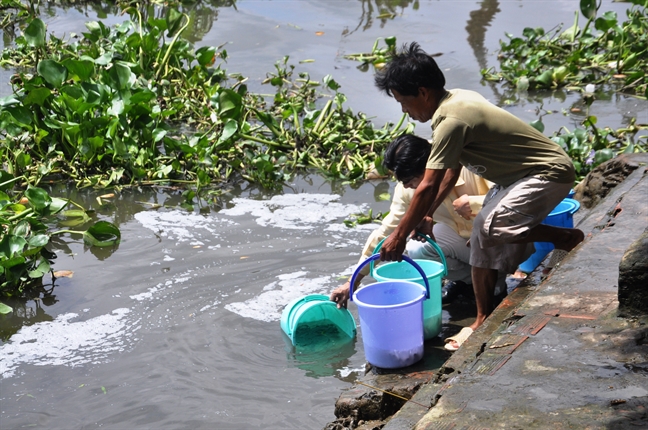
<point x="566" y="351"/>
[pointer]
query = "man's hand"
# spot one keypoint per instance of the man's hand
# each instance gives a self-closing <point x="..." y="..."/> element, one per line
<point x="341" y="295"/>
<point x="392" y="248"/>
<point x="424" y="227"/>
<point x="462" y="207"/>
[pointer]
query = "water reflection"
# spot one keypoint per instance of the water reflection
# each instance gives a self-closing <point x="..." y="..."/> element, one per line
<point x="383" y="10"/>
<point x="101" y="9"/>
<point x="476" y="27"/>
<point x="26" y="312"/>
<point x="202" y="15"/>
<point x="321" y="360"/>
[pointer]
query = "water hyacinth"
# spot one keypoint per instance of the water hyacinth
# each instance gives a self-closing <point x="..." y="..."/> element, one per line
<point x="590" y="158"/>
<point x="137" y="104"/>
<point x="605" y="51"/>
<point x="29" y="219"/>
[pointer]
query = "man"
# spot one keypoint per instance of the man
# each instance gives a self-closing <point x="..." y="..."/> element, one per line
<point x="533" y="174"/>
<point x="406" y="157"/>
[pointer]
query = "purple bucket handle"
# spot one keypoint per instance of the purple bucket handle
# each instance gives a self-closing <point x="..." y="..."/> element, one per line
<point x="376" y="257"/>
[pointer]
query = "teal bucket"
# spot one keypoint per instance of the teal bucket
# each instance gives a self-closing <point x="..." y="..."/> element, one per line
<point x="434" y="273"/>
<point x="315" y="320"/>
<point x="391" y="319"/>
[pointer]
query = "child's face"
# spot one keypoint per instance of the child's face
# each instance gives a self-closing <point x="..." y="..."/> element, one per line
<point x="413" y="182"/>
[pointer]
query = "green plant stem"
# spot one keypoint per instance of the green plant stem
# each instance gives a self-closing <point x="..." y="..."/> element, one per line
<point x="398" y="124"/>
<point x="21" y="214"/>
<point x="296" y="121"/>
<point x="265" y="142"/>
<point x="141" y="34"/>
<point x="326" y="121"/>
<point x="65" y="231"/>
<point x="10" y="181"/>
<point x="321" y="115"/>
<point x="165" y="59"/>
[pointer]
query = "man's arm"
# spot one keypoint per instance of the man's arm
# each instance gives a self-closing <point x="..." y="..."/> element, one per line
<point x="400" y="203"/>
<point x="447" y="185"/>
<point x="434" y="187"/>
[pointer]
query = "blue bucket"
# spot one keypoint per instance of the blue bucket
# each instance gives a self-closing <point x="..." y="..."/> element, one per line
<point x="561" y="216"/>
<point x="314" y="320"/>
<point x="391" y="318"/>
<point x="434" y="273"/>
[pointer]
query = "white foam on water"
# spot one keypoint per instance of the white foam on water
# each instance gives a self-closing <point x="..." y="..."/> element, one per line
<point x="293" y="211"/>
<point x="180" y="226"/>
<point x="342" y="228"/>
<point x="268" y="305"/>
<point x="346" y="371"/>
<point x="206" y="307"/>
<point x="64" y="342"/>
<point x="150" y="292"/>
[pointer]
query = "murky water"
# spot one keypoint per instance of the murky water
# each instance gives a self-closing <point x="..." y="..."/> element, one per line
<point x="179" y="326"/>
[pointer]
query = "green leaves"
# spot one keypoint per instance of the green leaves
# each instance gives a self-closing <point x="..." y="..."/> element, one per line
<point x="102" y="233"/>
<point x="10" y="246"/>
<point x="4" y="309"/>
<point x="24" y="258"/>
<point x="206" y="55"/>
<point x="617" y="55"/>
<point x="121" y="76"/>
<point x="538" y="125"/>
<point x="588" y="8"/>
<point x="591" y="146"/>
<point x="229" y="129"/>
<point x="38" y="198"/>
<point x="229" y="104"/>
<point x="53" y="72"/>
<point x="35" y="33"/>
<point x="37" y="96"/>
<point x="377" y="57"/>
<point x="82" y="69"/>
<point x="106" y="109"/>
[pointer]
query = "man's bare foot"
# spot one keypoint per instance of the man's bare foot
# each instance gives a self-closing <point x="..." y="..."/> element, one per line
<point x="574" y="237"/>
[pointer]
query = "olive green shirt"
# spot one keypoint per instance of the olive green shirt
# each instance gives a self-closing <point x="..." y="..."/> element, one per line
<point x="493" y="143"/>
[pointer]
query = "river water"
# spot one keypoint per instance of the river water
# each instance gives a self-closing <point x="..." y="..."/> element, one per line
<point x="178" y="327"/>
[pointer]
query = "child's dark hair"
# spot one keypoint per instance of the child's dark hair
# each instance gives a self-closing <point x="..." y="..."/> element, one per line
<point x="406" y="156"/>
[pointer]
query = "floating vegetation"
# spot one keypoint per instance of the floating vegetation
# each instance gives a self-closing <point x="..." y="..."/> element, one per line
<point x="590" y="146"/>
<point x="137" y="104"/>
<point x="362" y="218"/>
<point x="377" y="57"/>
<point x="614" y="53"/>
<point x="25" y="235"/>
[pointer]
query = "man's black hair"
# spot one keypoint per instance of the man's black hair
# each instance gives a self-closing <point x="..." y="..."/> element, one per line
<point x="406" y="156"/>
<point x="408" y="70"/>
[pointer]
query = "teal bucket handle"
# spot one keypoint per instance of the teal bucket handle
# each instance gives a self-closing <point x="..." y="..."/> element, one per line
<point x="294" y="306"/>
<point x="374" y="257"/>
<point x="435" y="245"/>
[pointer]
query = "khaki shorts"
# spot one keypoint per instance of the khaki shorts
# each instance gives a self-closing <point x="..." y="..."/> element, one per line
<point x="507" y="216"/>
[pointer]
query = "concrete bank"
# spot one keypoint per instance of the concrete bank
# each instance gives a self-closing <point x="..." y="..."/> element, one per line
<point x="555" y="353"/>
